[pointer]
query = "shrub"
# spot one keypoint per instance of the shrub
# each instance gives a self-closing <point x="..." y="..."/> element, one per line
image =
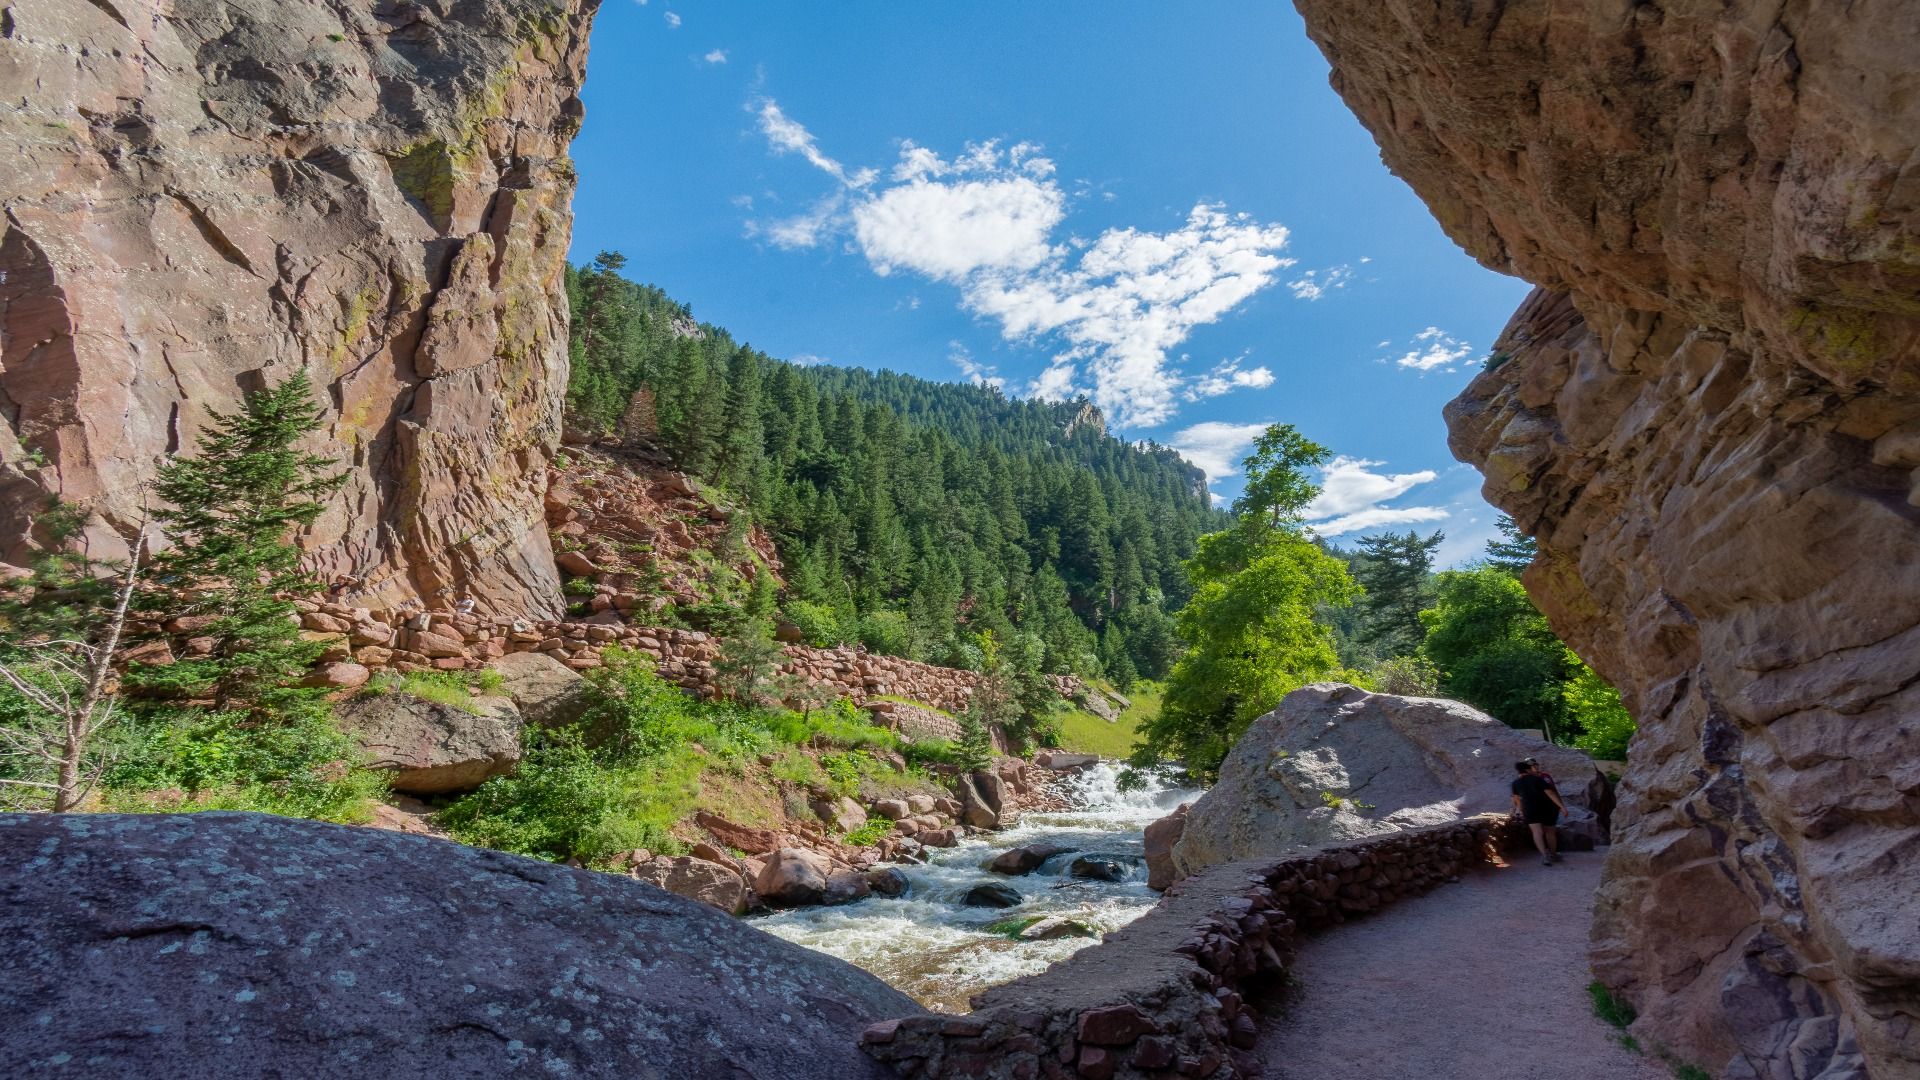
<point x="885" y="632"/>
<point x="1411" y="676"/>
<point x="871" y="833"/>
<point x="819" y="626"/>
<point x="1596" y="710"/>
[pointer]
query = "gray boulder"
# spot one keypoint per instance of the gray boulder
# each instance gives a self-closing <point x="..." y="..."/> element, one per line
<point x="793" y="877"/>
<point x="430" y="748"/>
<point x="1335" y="762"/>
<point x="226" y="945"/>
<point x="992" y="894"/>
<point x="1024" y="860"/>
<point x="547" y="692"/>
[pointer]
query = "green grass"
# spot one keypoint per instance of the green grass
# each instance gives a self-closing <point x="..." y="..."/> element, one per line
<point x="1691" y="1072"/>
<point x="1084" y="733"/>
<point x="871" y="833"/>
<point x="1615" y="1011"/>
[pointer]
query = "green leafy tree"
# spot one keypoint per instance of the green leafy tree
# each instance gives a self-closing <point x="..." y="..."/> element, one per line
<point x="1250" y="626"/>
<point x="1594" y="707"/>
<point x="1495" y="650"/>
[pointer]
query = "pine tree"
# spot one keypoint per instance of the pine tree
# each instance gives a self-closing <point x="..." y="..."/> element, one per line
<point x="231" y="511"/>
<point x="1396" y="570"/>
<point x="1514" y="551"/>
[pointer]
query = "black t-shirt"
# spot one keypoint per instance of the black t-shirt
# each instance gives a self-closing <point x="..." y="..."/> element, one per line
<point x="1532" y="790"/>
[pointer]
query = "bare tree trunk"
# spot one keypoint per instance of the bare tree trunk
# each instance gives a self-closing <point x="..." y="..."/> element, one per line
<point x="95" y="708"/>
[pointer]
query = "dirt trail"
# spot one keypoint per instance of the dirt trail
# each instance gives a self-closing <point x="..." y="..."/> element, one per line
<point x="1482" y="980"/>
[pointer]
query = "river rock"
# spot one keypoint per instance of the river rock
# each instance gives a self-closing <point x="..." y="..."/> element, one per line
<point x="1063" y="761"/>
<point x="920" y="804"/>
<point x="891" y="809"/>
<point x="1335" y="762"/>
<point x="1159" y="839"/>
<point x="840" y="812"/>
<point x="430" y="748"/>
<point x="844" y="886"/>
<point x="696" y="879"/>
<point x="547" y="692"/>
<point x="1024" y="860"/>
<point x="992" y="894"/>
<point x="231" y="945"/>
<point x="981" y="796"/>
<point x="937" y="838"/>
<point x="1096" y="868"/>
<point x="794" y="877"/>
<point x="1058" y="926"/>
<point x="1706" y="416"/>
<point x="887" y="881"/>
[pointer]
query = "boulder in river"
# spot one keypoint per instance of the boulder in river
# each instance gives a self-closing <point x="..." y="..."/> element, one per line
<point x="1058" y="926"/>
<point x="696" y="879"/>
<point x="1098" y="868"/>
<point x="1024" y="860"/>
<point x="245" y="945"/>
<point x="1160" y="836"/>
<point x="887" y="881"/>
<point x="793" y="877"/>
<point x="992" y="894"/>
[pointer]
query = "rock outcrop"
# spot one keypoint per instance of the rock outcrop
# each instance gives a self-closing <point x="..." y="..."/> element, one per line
<point x="1709" y="416"/>
<point x="241" y="945"/>
<point x="204" y="197"/>
<point x="1335" y="762"/>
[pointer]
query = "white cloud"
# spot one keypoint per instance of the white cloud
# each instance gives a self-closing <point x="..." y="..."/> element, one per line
<point x="986" y="221"/>
<point x="717" y="56"/>
<point x="977" y="373"/>
<point x="1315" y="284"/>
<point x="1216" y="448"/>
<point x="673" y="21"/>
<point x="808" y="360"/>
<point x="1434" y="348"/>
<point x="789" y="136"/>
<point x="802" y="230"/>
<point x="1228" y="376"/>
<point x="1351" y="494"/>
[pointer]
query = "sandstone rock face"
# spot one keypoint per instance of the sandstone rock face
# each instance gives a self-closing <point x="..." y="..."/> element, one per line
<point x="1709" y="416"/>
<point x="207" y="195"/>
<point x="430" y="748"/>
<point x="1334" y="762"/>
<point x="242" y="945"/>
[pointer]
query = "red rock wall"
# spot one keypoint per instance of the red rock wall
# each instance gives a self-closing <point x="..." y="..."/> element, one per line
<point x="204" y="197"/>
<point x="1709" y="416"/>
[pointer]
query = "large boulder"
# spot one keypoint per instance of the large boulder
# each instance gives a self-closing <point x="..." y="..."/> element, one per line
<point x="982" y="795"/>
<point x="1335" y="762"/>
<point x="794" y="877"/>
<point x="710" y="883"/>
<point x="430" y="748"/>
<point x="547" y="692"/>
<point x="242" y="945"/>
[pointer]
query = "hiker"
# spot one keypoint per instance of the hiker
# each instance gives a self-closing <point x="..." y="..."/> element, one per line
<point x="1537" y="802"/>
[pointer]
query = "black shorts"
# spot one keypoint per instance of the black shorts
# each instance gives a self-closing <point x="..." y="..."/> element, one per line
<point x="1549" y="817"/>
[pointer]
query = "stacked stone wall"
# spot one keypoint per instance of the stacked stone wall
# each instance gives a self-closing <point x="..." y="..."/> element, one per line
<point x="1166" y="996"/>
<point x="362" y="641"/>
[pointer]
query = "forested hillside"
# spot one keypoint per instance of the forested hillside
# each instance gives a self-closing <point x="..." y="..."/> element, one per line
<point x="910" y="515"/>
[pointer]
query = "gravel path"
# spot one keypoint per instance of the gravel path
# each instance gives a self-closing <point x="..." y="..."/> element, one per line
<point x="1482" y="980"/>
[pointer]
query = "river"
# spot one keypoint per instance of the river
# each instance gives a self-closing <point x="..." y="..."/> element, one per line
<point x="940" y="952"/>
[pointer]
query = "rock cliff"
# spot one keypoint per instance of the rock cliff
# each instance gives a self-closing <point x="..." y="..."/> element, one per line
<point x="1709" y="416"/>
<point x="243" y="945"/>
<point x="206" y="196"/>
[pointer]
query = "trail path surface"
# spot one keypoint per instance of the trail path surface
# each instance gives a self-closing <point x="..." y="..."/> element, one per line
<point x="1482" y="980"/>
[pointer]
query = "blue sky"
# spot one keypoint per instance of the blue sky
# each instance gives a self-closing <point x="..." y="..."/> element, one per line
<point x="1162" y="206"/>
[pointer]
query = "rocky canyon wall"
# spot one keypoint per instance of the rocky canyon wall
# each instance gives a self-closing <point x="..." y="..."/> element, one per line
<point x="1708" y="414"/>
<point x="208" y="195"/>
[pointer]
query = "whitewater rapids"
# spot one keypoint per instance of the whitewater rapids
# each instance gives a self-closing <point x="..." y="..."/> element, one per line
<point x="930" y="946"/>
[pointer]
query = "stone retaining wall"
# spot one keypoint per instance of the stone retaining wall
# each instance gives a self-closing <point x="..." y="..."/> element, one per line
<point x="1164" y="996"/>
<point x="370" y="640"/>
